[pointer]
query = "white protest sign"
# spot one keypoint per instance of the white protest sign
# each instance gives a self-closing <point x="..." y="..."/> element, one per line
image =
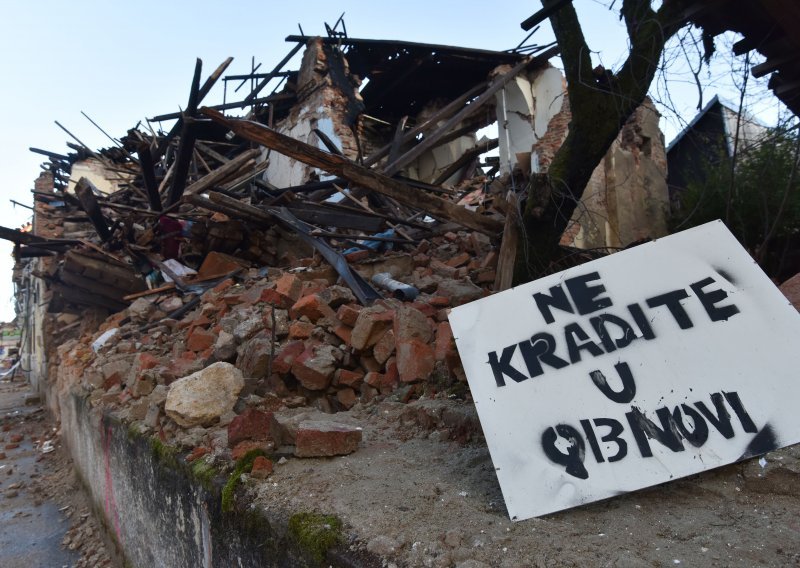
<point x="671" y="358"/>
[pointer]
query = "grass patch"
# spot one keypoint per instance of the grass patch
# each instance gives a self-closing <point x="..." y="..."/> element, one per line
<point x="244" y="465"/>
<point x="315" y="533"/>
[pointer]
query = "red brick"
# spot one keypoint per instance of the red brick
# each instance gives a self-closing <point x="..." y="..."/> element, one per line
<point x="248" y="445"/>
<point x="272" y="296"/>
<point x="344" y="332"/>
<point x="459" y="260"/>
<point x="313" y="307"/>
<point x="197" y="453"/>
<point x="314" y="368"/>
<point x="251" y="424"/>
<point x="222" y="286"/>
<point x="345" y="377"/>
<point x="439" y="301"/>
<point x="411" y="323"/>
<point x="320" y="439"/>
<point x="357" y="256"/>
<point x="444" y="341"/>
<point x="285" y="357"/>
<point x="384" y="348"/>
<point x="371" y="324"/>
<point x="347" y="315"/>
<point x="200" y="339"/>
<point x="415" y="360"/>
<point x="346" y="397"/>
<point x="146" y="361"/>
<point x="300" y="330"/>
<point x="15" y="438"/>
<point x="290" y="286"/>
<point x="262" y="468"/>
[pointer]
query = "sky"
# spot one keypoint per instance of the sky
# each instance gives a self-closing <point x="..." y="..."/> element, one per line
<point x="120" y="62"/>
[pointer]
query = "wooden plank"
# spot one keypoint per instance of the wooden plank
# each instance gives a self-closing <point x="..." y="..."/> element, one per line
<point x="30" y="239"/>
<point x="277" y="97"/>
<point x="320" y="215"/>
<point x="508" y="249"/>
<point x="365" y="177"/>
<point x="442" y="114"/>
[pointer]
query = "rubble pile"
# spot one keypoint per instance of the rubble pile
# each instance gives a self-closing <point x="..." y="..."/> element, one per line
<point x="264" y="341"/>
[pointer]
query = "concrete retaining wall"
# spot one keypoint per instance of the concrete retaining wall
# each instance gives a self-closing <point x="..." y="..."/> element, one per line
<point x="159" y="513"/>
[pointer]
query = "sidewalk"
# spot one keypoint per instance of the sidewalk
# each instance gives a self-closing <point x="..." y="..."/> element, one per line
<point x="32" y="526"/>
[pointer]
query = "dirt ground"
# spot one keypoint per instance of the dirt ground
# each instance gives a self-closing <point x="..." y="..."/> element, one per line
<point x="419" y="501"/>
<point x="45" y="518"/>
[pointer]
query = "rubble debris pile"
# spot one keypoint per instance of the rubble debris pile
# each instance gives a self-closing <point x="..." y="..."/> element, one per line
<point x="245" y="288"/>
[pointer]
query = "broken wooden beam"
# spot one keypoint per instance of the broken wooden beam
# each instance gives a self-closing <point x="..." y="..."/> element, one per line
<point x="85" y="189"/>
<point x="342" y="167"/>
<point x="149" y="176"/>
<point x="186" y="144"/>
<point x="178" y="126"/>
<point x="465" y="158"/>
<point x="249" y="98"/>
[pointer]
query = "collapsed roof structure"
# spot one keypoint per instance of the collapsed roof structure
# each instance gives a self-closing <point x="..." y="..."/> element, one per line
<point x="369" y="142"/>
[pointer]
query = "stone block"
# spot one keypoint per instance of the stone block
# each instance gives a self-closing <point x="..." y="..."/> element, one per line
<point x="254" y="354"/>
<point x="202" y="397"/>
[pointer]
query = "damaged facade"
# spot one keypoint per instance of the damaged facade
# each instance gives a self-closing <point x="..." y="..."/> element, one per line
<point x="228" y="285"/>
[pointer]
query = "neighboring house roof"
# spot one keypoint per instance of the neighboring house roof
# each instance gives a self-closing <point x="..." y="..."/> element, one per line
<point x="750" y="129"/>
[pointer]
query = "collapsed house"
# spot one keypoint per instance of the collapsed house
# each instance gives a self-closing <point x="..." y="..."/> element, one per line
<point x="303" y="258"/>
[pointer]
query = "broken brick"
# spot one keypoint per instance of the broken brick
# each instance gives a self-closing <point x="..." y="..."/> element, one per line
<point x="371" y="324"/>
<point x="252" y="424"/>
<point x="347" y="315"/>
<point x="323" y="439"/>
<point x="300" y="330"/>
<point x="311" y="306"/>
<point x="262" y="467"/>
<point x="290" y="286"/>
<point x="282" y="363"/>
<point x="347" y="397"/>
<point x="200" y="340"/>
<point x="314" y="368"/>
<point x="415" y="360"/>
<point x="345" y="377"/>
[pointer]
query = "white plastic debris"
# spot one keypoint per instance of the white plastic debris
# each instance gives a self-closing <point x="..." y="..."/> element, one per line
<point x="48" y="446"/>
<point x="762" y="462"/>
<point x="177" y="268"/>
<point x="103" y="339"/>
